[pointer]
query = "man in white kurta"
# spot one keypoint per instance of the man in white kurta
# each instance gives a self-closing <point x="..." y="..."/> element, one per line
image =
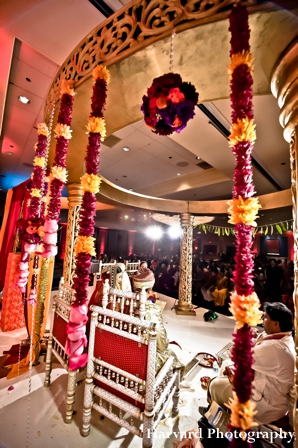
<point x="274" y="360"/>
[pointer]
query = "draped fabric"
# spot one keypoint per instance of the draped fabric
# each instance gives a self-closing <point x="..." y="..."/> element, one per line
<point x="31" y="316"/>
<point x="12" y="316"/>
<point x="8" y="232"/>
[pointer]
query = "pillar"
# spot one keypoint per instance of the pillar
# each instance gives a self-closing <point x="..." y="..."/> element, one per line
<point x="284" y="86"/>
<point x="184" y="306"/>
<point x="75" y="196"/>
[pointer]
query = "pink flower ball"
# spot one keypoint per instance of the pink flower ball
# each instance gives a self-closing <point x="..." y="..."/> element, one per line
<point x="24" y="266"/>
<point x="50" y="225"/>
<point x="50" y="238"/>
<point x="30" y="247"/>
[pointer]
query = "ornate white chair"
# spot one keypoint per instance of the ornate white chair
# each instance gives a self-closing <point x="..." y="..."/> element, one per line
<point x="121" y="383"/>
<point x="101" y="266"/>
<point x="56" y="343"/>
<point x="132" y="267"/>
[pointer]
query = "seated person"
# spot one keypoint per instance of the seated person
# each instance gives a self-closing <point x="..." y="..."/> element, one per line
<point x="219" y="294"/>
<point x="146" y="280"/>
<point x="274" y="362"/>
<point x="122" y="281"/>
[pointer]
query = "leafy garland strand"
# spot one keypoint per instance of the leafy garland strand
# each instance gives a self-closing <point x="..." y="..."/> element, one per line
<point x="84" y="248"/>
<point x="243" y="209"/>
<point x="281" y="226"/>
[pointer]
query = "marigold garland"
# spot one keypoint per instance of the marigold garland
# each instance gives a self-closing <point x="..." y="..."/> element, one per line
<point x="57" y="172"/>
<point x="237" y="59"/>
<point x="62" y="130"/>
<point x="242" y="413"/>
<point x="85" y="243"/>
<point x="101" y="72"/>
<point x="42" y="129"/>
<point x="97" y="125"/>
<point x="91" y="183"/>
<point x="39" y="161"/>
<point x="243" y="211"/>
<point x="242" y="131"/>
<point x="36" y="193"/>
<point x="67" y="87"/>
<point x="245" y="309"/>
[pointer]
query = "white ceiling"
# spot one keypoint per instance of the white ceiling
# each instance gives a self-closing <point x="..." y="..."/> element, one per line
<point x="38" y="36"/>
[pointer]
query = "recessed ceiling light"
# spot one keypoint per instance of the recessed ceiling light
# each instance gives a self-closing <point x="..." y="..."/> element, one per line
<point x="178" y="174"/>
<point x="198" y="158"/>
<point x="9" y="153"/>
<point x="126" y="148"/>
<point x="126" y="216"/>
<point x="283" y="163"/>
<point x="124" y="176"/>
<point x="24" y="99"/>
<point x="116" y="179"/>
<point x="170" y="157"/>
<point x="28" y="79"/>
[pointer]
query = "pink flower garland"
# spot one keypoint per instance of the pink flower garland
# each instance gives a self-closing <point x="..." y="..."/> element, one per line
<point x="76" y="328"/>
<point x="58" y="176"/>
<point x="243" y="136"/>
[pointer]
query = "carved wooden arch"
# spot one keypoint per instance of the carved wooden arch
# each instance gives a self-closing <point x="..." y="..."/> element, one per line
<point x="137" y="25"/>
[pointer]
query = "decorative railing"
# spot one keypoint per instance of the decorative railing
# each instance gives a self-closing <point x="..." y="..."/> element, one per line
<point x="138" y="24"/>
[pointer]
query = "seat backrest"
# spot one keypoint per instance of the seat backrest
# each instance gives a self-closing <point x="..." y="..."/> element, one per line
<point x="99" y="266"/>
<point x="60" y="317"/>
<point x="132" y="267"/>
<point x="121" y="345"/>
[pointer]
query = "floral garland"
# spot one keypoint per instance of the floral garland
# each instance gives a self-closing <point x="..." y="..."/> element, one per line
<point x="243" y="209"/>
<point x="58" y="175"/>
<point x="84" y="248"/>
<point x="169" y="104"/>
<point x="31" y="229"/>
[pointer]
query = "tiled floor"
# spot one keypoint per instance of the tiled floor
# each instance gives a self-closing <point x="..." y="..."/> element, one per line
<point x="45" y="407"/>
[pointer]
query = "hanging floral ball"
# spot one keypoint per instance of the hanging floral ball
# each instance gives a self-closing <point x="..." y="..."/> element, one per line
<point x="169" y="104"/>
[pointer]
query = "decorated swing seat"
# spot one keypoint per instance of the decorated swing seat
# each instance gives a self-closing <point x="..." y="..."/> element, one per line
<point x="121" y="382"/>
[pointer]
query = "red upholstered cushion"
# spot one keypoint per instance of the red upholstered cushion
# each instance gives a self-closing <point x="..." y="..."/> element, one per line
<point x="59" y="329"/>
<point x="121" y="352"/>
<point x="124" y="354"/>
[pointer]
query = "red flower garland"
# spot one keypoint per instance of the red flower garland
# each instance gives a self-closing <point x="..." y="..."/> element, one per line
<point x="242" y="138"/>
<point x="58" y="174"/>
<point x="76" y="337"/>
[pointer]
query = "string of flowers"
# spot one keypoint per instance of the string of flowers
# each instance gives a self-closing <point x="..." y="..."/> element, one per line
<point x="58" y="175"/>
<point x="84" y="248"/>
<point x="31" y="227"/>
<point x="243" y="210"/>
